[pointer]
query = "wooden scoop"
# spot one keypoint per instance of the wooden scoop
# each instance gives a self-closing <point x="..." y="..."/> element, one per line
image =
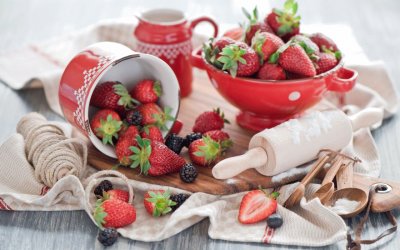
<point x="327" y="188"/>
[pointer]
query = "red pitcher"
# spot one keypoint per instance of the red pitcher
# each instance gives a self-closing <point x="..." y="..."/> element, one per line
<point x="167" y="34"/>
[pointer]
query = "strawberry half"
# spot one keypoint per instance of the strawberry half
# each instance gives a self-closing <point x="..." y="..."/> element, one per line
<point x="154" y="158"/>
<point x="112" y="95"/>
<point x="122" y="148"/>
<point x="152" y="114"/>
<point x="153" y="133"/>
<point x="271" y="72"/>
<point x="221" y="137"/>
<point x="147" y="91"/>
<point x="158" y="202"/>
<point x="209" y="120"/>
<point x="284" y="22"/>
<point x="265" y="44"/>
<point x="254" y="25"/>
<point x="114" y="213"/>
<point x="256" y="206"/>
<point x="116" y="194"/>
<point x="106" y="124"/>
<point x="205" y="151"/>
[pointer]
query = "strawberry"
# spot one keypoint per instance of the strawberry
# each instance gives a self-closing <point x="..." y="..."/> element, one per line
<point x="271" y="72"/>
<point x="239" y="59"/>
<point x="223" y="42"/>
<point x="112" y="95"/>
<point x="147" y="91"/>
<point x="235" y="33"/>
<point x="293" y="58"/>
<point x="284" y="22"/>
<point x="152" y="133"/>
<point x="265" y="44"/>
<point x="307" y="44"/>
<point x="204" y="151"/>
<point x="158" y="202"/>
<point x="326" y="62"/>
<point x="122" y="148"/>
<point x="254" y="25"/>
<point x="114" y="213"/>
<point x="324" y="42"/>
<point x="212" y="50"/>
<point x="152" y="114"/>
<point x="256" y="206"/>
<point x="221" y="137"/>
<point x="177" y="127"/>
<point x="154" y="158"/>
<point x="117" y="194"/>
<point x="106" y="124"/>
<point x="209" y="120"/>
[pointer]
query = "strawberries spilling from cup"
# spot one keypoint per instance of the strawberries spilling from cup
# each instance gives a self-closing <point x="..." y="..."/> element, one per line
<point x="273" y="49"/>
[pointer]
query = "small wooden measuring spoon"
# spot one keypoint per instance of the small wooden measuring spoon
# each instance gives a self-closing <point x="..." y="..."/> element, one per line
<point x="327" y="188"/>
<point x="298" y="193"/>
<point x="344" y="181"/>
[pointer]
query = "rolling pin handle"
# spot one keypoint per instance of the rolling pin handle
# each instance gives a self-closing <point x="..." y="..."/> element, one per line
<point x="366" y="118"/>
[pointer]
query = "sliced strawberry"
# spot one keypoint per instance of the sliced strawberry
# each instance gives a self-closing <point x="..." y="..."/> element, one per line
<point x="158" y="202"/>
<point x="256" y="206"/>
<point x="106" y="124"/>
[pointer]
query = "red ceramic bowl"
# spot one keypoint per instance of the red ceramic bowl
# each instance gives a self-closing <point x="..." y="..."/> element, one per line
<point x="265" y="104"/>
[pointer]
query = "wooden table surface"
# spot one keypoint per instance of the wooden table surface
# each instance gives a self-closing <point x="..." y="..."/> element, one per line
<point x="375" y="24"/>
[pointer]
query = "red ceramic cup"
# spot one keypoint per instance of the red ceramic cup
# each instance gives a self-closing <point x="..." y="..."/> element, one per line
<point x="167" y="34"/>
<point x="265" y="104"/>
<point x="108" y="61"/>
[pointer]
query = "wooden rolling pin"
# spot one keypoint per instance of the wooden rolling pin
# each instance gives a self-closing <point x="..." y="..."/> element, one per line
<point x="296" y="142"/>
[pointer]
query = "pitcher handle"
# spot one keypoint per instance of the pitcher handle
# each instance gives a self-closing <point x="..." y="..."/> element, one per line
<point x="198" y="20"/>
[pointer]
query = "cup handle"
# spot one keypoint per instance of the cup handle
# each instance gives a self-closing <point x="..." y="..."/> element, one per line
<point x="198" y="20"/>
<point x="343" y="80"/>
<point x="196" y="59"/>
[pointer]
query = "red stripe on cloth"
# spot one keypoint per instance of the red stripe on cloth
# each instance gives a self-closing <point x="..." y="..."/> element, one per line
<point x="44" y="190"/>
<point x="268" y="234"/>
<point x="46" y="56"/>
<point x="3" y="205"/>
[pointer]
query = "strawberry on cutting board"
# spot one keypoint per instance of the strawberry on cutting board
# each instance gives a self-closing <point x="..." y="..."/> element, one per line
<point x="152" y="114"/>
<point x="205" y="151"/>
<point x="114" y="213"/>
<point x="147" y="91"/>
<point x="284" y="22"/>
<point x="209" y="120"/>
<point x="122" y="148"/>
<point x="106" y="124"/>
<point x="221" y="137"/>
<point x="154" y="158"/>
<point x="256" y="206"/>
<point x="112" y="95"/>
<point x="158" y="202"/>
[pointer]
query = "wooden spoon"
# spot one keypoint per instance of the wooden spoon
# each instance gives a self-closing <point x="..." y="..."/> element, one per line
<point x="298" y="193"/>
<point x="327" y="188"/>
<point x="344" y="181"/>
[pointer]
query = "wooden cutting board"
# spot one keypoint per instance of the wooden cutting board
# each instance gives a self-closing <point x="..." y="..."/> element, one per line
<point x="203" y="98"/>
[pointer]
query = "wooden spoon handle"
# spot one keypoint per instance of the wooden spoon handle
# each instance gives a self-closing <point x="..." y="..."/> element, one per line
<point x="344" y="177"/>
<point x="330" y="175"/>
<point x="230" y="167"/>
<point x="314" y="171"/>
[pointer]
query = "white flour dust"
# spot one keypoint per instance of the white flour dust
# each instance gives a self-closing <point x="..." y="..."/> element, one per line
<point x="290" y="173"/>
<point x="344" y="206"/>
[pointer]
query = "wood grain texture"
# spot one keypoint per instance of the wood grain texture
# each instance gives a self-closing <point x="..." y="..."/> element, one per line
<point x="375" y="25"/>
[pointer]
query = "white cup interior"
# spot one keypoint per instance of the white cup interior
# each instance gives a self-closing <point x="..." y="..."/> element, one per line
<point x="163" y="16"/>
<point x="129" y="70"/>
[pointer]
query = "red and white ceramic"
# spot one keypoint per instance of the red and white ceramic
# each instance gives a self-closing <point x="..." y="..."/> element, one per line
<point x="108" y="61"/>
<point x="167" y="34"/>
<point x="265" y="104"/>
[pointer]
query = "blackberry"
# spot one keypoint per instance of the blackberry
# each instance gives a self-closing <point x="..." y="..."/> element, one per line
<point x="175" y="143"/>
<point x="105" y="186"/>
<point x="108" y="236"/>
<point x="179" y="199"/>
<point x="188" y="173"/>
<point x="133" y="117"/>
<point x="191" y="138"/>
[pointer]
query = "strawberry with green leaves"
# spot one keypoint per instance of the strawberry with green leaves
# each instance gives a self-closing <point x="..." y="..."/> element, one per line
<point x="153" y="133"/>
<point x="284" y="22"/>
<point x="122" y="148"/>
<point x="265" y="44"/>
<point x="158" y="202"/>
<point x="154" y="158"/>
<point x="307" y="44"/>
<point x="205" y="151"/>
<point x="221" y="137"/>
<point x="114" y="213"/>
<point x="209" y="120"/>
<point x="213" y="48"/>
<point x="106" y="124"/>
<point x="254" y="25"/>
<point x="147" y="91"/>
<point x="152" y="114"/>
<point x="324" y="43"/>
<point x="256" y="206"/>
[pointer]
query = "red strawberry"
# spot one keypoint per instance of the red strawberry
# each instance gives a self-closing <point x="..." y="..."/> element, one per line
<point x="112" y="95"/>
<point x="284" y="22"/>
<point x="114" y="213"/>
<point x="154" y="158"/>
<point x="256" y="206"/>
<point x="265" y="44"/>
<point x="177" y="127"/>
<point x="117" y="194"/>
<point x="325" y="62"/>
<point x="212" y="50"/>
<point x="223" y="42"/>
<point x="204" y="151"/>
<point x="235" y="34"/>
<point x="221" y="137"/>
<point x="209" y="120"/>
<point x="147" y="91"/>
<point x="254" y="25"/>
<point x="271" y="72"/>
<point x="294" y="59"/>
<point x="158" y="202"/>
<point x="152" y="133"/>
<point x="324" y="42"/>
<point x="152" y="114"/>
<point x="308" y="45"/>
<point x="239" y="59"/>
<point x="125" y="142"/>
<point x="106" y="124"/>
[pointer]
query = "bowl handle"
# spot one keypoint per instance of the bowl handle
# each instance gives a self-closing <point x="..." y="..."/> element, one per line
<point x="343" y="80"/>
<point x="196" y="59"/>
